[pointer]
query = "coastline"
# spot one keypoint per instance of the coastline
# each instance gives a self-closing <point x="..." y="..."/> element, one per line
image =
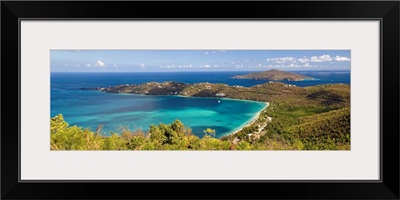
<point x="183" y="96"/>
<point x="242" y="126"/>
<point x="247" y="123"/>
<point x="252" y="119"/>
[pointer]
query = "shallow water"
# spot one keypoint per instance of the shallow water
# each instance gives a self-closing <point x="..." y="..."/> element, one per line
<point x="115" y="111"/>
<point x="93" y="108"/>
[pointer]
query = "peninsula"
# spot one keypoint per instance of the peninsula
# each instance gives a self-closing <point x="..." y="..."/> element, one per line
<point x="329" y="94"/>
<point x="274" y="75"/>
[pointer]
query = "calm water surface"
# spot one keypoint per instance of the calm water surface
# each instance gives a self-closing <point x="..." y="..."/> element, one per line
<point x="114" y="111"/>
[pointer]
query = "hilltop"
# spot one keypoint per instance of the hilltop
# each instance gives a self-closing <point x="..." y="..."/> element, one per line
<point x="273" y="75"/>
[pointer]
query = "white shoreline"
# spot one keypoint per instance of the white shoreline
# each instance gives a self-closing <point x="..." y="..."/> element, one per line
<point x="183" y="96"/>
<point x="249" y="122"/>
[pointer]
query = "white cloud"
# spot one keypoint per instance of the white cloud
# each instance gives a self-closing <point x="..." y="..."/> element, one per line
<point x="177" y="66"/>
<point x="100" y="63"/>
<point x="303" y="60"/>
<point x="293" y="65"/>
<point x="142" y="65"/>
<point x="288" y="61"/>
<point x="340" y="59"/>
<point x="214" y="52"/>
<point x="238" y="66"/>
<point x="323" y="58"/>
<point x="281" y="60"/>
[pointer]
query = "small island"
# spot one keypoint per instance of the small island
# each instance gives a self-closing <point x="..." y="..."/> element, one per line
<point x="274" y="75"/>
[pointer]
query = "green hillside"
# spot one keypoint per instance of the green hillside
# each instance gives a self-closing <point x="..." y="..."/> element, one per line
<point x="297" y="118"/>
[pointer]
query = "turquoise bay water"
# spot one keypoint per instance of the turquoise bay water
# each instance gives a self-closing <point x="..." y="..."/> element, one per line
<point x="93" y="108"/>
<point x="114" y="111"/>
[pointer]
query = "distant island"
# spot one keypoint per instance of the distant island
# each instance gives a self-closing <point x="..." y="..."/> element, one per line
<point x="274" y="75"/>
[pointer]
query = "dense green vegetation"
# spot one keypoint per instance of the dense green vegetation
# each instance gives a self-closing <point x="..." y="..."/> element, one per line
<point x="309" y="118"/>
<point x="325" y="131"/>
<point x="174" y="136"/>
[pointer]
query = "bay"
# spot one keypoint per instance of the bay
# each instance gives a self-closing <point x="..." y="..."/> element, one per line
<point x="115" y="111"/>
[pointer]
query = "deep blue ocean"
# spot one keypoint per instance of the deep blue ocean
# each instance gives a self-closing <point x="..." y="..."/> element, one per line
<point x="89" y="109"/>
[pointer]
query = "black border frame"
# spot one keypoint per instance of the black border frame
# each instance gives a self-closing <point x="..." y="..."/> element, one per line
<point x="179" y="180"/>
<point x="385" y="11"/>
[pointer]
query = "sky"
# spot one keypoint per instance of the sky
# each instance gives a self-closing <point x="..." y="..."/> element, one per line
<point x="197" y="60"/>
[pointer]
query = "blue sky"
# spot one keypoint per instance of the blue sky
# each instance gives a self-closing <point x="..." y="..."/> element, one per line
<point x="196" y="60"/>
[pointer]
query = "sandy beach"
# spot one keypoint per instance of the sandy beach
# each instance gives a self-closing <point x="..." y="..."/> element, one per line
<point x="251" y="122"/>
